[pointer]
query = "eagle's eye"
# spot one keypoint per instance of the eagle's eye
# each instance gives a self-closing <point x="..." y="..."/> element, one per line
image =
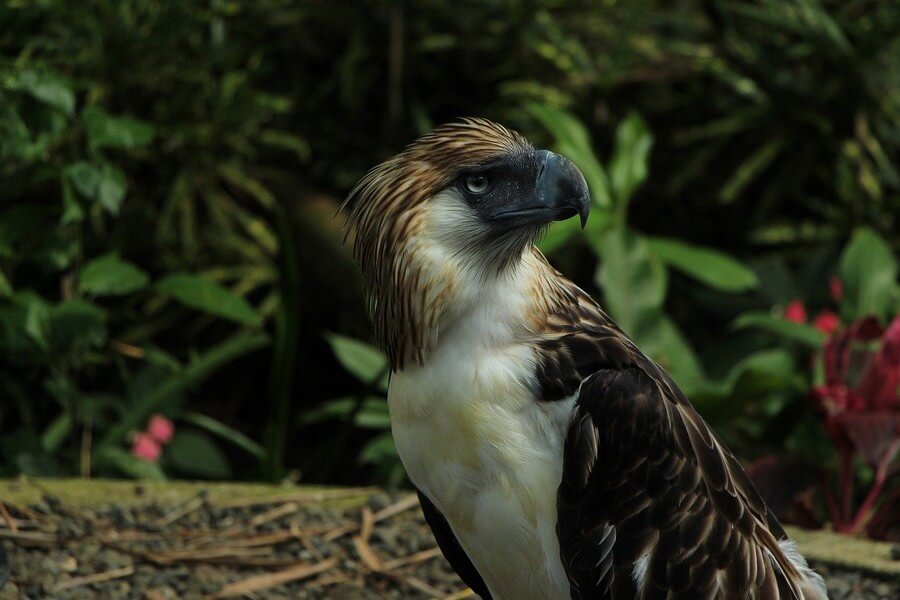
<point x="476" y="184"/>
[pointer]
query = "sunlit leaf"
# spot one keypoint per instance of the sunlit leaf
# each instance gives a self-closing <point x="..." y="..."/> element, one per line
<point x="797" y="332"/>
<point x="364" y="361"/>
<point x="207" y="296"/>
<point x="715" y="269"/>
<point x="47" y="87"/>
<point x="868" y="270"/>
<point x="110" y="275"/>
<point x="628" y="164"/>
<point x="100" y="182"/>
<point x="105" y="130"/>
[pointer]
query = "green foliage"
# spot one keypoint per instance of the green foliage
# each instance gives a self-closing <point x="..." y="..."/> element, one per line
<point x="157" y="159"/>
<point x="868" y="270"/>
<point x="204" y="295"/>
<point x="109" y="275"/>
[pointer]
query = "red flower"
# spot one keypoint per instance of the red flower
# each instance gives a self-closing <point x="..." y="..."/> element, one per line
<point x="827" y="322"/>
<point x="795" y="311"/>
<point x="860" y="401"/>
<point x="836" y="287"/>
<point x="146" y="448"/>
<point x="161" y="429"/>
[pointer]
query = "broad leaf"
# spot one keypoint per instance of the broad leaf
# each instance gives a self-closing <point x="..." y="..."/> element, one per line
<point x="47" y="87"/>
<point x="797" y="332"/>
<point x="223" y="431"/>
<point x="364" y="361"/>
<point x="101" y="182"/>
<point x="105" y="130"/>
<point x="372" y="413"/>
<point x="868" y="270"/>
<point x="205" y="295"/>
<point x="195" y="453"/>
<point x="628" y="164"/>
<point x="632" y="279"/>
<point x="714" y="268"/>
<point x="130" y="465"/>
<point x="76" y="323"/>
<point x="109" y="275"/>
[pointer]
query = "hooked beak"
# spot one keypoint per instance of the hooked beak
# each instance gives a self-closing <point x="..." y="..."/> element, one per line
<point x="560" y="192"/>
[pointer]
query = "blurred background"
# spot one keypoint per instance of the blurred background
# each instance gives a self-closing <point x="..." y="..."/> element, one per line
<point x="176" y="301"/>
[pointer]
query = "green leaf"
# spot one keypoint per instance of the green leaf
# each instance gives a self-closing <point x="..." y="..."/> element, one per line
<point x="364" y="361"/>
<point x="154" y="395"/>
<point x="109" y="275"/>
<point x="750" y="169"/>
<point x="632" y="279"/>
<point x="796" y="332"/>
<point x="771" y="366"/>
<point x="574" y="142"/>
<point x="372" y="414"/>
<point x="661" y="339"/>
<point x="77" y="323"/>
<point x="557" y="235"/>
<point x="868" y="270"/>
<point x="195" y="453"/>
<point x="207" y="296"/>
<point x="105" y="130"/>
<point x="711" y="267"/>
<point x="47" y="87"/>
<point x="130" y="465"/>
<point x="6" y="289"/>
<point x="379" y="449"/>
<point x="223" y="431"/>
<point x="628" y="164"/>
<point x="101" y="182"/>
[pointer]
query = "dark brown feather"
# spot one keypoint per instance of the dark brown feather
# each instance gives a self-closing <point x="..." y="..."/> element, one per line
<point x="641" y="462"/>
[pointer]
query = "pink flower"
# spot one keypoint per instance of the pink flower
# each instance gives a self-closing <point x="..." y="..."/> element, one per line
<point x="836" y="287"/>
<point x="161" y="429"/>
<point x="827" y="322"/>
<point x="795" y="311"/>
<point x="145" y="447"/>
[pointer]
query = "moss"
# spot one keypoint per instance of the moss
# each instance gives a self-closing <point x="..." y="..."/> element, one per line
<point x="846" y="551"/>
<point x="79" y="492"/>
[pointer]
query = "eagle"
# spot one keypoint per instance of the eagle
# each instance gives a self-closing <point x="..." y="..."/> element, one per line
<point x="552" y="458"/>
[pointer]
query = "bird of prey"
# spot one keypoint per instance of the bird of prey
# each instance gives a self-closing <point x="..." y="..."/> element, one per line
<point x="553" y="459"/>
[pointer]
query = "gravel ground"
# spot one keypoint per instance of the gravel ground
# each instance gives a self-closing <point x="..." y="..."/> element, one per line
<point x="290" y="548"/>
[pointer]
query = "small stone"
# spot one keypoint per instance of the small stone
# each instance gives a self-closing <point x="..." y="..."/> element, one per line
<point x="68" y="565"/>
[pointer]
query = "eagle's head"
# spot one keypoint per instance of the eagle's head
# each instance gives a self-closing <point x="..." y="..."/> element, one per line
<point x="458" y="207"/>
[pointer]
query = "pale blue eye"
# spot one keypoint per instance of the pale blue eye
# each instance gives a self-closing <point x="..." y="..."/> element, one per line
<point x="476" y="184"/>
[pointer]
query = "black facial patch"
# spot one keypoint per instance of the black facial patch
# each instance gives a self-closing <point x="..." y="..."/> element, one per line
<point x="508" y="178"/>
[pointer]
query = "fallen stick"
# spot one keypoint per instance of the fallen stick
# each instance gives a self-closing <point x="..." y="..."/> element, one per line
<point x="10" y="522"/>
<point x="93" y="578"/>
<point x="393" y="510"/>
<point x="412" y="559"/>
<point x="268" y="580"/>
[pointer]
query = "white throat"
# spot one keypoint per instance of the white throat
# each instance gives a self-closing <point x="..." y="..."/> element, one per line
<point x="476" y="442"/>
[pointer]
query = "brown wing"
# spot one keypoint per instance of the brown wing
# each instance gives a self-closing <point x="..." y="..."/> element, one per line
<point x="640" y="461"/>
<point x="645" y="477"/>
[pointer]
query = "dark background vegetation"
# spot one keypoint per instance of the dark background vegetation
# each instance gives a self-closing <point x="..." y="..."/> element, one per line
<point x="170" y="172"/>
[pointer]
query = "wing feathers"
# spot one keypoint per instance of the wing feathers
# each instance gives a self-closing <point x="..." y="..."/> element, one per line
<point x="639" y="460"/>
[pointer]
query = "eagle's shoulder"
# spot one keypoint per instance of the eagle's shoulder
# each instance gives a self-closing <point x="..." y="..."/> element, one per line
<point x="576" y="338"/>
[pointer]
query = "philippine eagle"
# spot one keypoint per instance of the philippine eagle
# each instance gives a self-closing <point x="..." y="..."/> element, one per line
<point x="552" y="458"/>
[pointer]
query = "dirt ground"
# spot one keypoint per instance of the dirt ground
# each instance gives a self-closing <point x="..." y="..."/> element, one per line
<point x="279" y="548"/>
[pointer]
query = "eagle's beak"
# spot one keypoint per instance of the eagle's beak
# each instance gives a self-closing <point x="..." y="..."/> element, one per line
<point x="560" y="192"/>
